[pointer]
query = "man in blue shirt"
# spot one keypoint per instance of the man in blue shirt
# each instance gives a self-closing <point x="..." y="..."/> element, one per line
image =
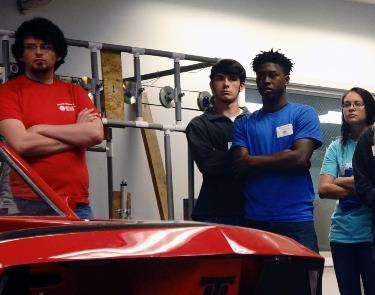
<point x="272" y="148"/>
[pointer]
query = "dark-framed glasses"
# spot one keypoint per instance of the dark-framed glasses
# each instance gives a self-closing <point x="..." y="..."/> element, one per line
<point x="33" y="46"/>
<point x="354" y="104"/>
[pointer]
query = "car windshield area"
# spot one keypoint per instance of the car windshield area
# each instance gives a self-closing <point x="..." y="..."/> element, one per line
<point x="17" y="197"/>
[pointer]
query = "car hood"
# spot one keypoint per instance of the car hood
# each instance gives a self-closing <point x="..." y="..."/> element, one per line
<point x="108" y="240"/>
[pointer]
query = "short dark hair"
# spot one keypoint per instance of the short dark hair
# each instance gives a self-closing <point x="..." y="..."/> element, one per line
<point x="274" y="57"/>
<point x="228" y="67"/>
<point x="369" y="102"/>
<point x="43" y="29"/>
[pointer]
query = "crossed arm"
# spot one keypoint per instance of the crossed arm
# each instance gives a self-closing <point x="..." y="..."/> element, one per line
<point x="210" y="160"/>
<point x="296" y="159"/>
<point x="331" y="187"/>
<point x="46" y="139"/>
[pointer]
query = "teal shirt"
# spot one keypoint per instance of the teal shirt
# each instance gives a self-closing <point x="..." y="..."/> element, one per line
<point x="352" y="226"/>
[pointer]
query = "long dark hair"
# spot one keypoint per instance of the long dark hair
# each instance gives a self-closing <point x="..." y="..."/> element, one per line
<point x="369" y="102"/>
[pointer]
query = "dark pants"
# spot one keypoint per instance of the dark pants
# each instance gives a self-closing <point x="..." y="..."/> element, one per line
<point x="353" y="262"/>
<point x="303" y="232"/>
<point x="228" y="220"/>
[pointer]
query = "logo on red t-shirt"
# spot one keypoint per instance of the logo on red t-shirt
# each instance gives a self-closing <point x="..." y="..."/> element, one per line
<point x="66" y="107"/>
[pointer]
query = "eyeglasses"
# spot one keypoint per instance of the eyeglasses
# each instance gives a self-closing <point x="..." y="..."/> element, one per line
<point x="354" y="104"/>
<point x="43" y="46"/>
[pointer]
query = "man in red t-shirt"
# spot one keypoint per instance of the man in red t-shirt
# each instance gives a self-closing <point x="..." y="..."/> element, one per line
<point x="47" y="121"/>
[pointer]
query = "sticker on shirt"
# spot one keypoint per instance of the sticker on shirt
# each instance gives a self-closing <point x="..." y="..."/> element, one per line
<point x="66" y="107"/>
<point x="373" y="150"/>
<point x="229" y="145"/>
<point x="346" y="169"/>
<point x="284" y="130"/>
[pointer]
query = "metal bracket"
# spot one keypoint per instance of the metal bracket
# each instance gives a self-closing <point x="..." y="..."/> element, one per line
<point x="138" y="51"/>
<point x="178" y="56"/>
<point x="95" y="46"/>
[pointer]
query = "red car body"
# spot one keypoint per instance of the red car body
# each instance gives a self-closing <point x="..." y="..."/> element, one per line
<point x="61" y="254"/>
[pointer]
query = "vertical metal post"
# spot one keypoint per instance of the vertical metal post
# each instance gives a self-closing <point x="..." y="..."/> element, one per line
<point x="190" y="183"/>
<point x="6" y="59"/>
<point x="177" y="89"/>
<point x="95" y="74"/>
<point x="123" y="207"/>
<point x="109" y="149"/>
<point x="138" y="85"/>
<point x="168" y="169"/>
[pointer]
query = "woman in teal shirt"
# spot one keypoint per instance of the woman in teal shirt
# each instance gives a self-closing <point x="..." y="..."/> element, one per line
<point x="350" y="233"/>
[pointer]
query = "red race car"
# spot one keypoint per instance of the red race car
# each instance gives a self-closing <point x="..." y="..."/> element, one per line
<point x="51" y="251"/>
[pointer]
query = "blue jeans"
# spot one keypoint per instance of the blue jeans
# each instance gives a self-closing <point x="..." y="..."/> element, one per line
<point x="34" y="207"/>
<point x="303" y="232"/>
<point x="83" y="211"/>
<point x="39" y="208"/>
<point x="353" y="262"/>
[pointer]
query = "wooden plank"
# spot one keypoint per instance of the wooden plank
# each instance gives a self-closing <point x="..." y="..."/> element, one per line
<point x="116" y="205"/>
<point x="113" y="100"/>
<point x="155" y="162"/>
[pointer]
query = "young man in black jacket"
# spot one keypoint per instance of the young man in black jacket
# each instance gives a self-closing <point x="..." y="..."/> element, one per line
<point x="364" y="170"/>
<point x="210" y="136"/>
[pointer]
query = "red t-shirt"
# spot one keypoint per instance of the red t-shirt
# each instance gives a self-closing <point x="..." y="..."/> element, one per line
<point x="56" y="104"/>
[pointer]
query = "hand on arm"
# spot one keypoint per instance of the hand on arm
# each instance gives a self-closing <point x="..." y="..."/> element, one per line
<point x="331" y="187"/>
<point x="241" y="165"/>
<point x="28" y="143"/>
<point x="87" y="131"/>
<point x="296" y="159"/>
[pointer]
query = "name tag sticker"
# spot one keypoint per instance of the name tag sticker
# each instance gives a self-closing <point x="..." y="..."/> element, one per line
<point x="284" y="130"/>
<point x="373" y="150"/>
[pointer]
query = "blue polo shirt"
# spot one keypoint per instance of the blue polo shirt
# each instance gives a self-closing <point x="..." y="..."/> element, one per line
<point x="278" y="196"/>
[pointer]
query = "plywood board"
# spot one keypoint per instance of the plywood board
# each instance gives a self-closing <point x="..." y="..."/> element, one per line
<point x="116" y="205"/>
<point x="155" y="161"/>
<point x="113" y="92"/>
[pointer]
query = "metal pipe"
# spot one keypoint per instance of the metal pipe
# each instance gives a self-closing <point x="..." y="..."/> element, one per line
<point x="77" y="43"/>
<point x="6" y="59"/>
<point x="143" y="124"/>
<point x="138" y="86"/>
<point x="6" y="32"/>
<point x="130" y="49"/>
<point x="95" y="75"/>
<point x="168" y="171"/>
<point x="110" y="171"/>
<point x="164" y="73"/>
<point x="146" y="51"/>
<point x="190" y="183"/>
<point x="177" y="89"/>
<point x="96" y="149"/>
<point x="123" y="190"/>
<point x="160" y="53"/>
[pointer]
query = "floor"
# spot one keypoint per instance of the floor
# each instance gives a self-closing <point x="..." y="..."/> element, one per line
<point x="329" y="278"/>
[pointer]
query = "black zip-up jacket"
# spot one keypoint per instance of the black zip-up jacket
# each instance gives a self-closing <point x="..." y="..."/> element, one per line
<point x="221" y="195"/>
<point x="364" y="171"/>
